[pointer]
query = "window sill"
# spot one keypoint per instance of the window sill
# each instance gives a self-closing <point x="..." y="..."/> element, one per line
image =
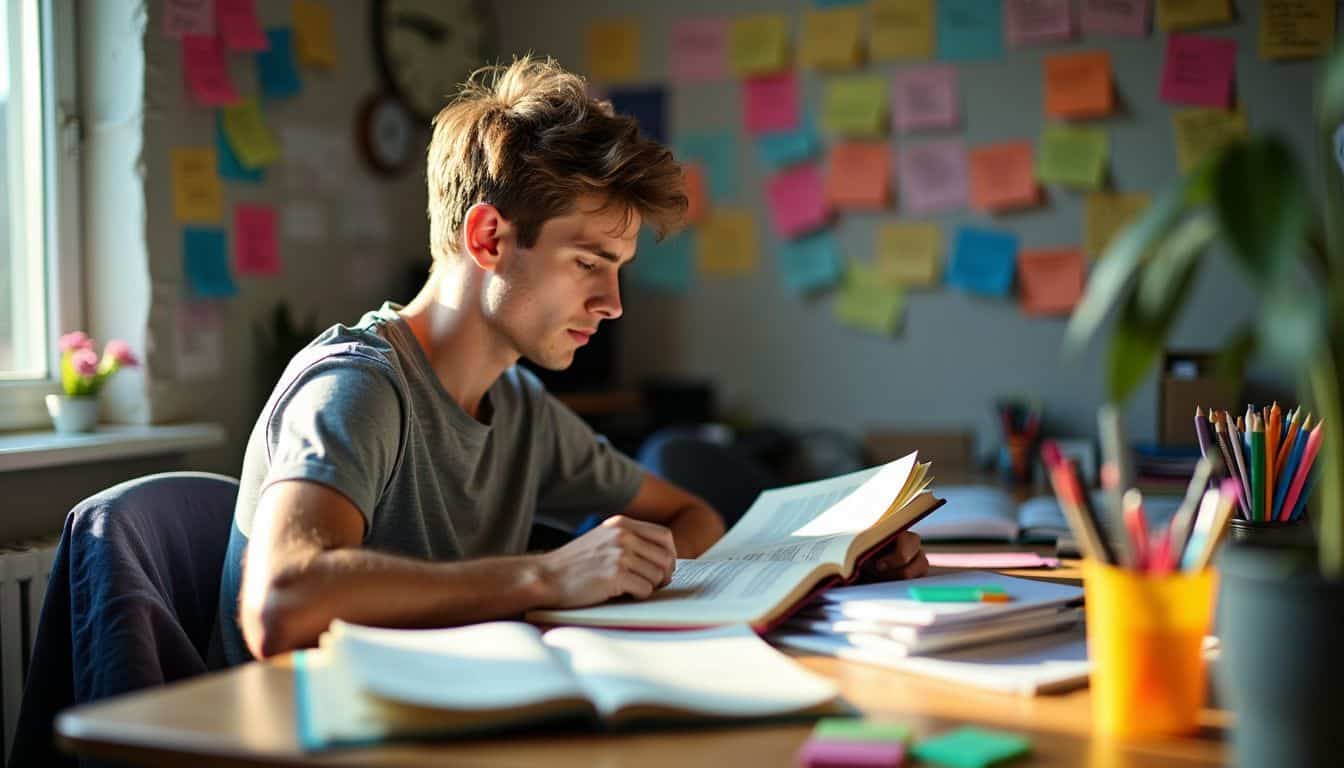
<point x="35" y="450"/>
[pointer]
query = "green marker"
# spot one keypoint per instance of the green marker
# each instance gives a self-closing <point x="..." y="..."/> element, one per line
<point x="987" y="593"/>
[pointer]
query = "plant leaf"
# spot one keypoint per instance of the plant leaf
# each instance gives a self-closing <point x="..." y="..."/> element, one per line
<point x="1159" y="280"/>
<point x="1235" y="356"/>
<point x="1290" y="327"/>
<point x="1138" y="338"/>
<point x="1261" y="203"/>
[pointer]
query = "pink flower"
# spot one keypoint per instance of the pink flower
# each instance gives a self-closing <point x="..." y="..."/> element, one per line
<point x="120" y="351"/>
<point x="84" y="361"/>
<point x="75" y="340"/>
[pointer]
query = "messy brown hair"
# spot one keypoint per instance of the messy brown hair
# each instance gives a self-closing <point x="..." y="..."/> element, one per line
<point x="529" y="139"/>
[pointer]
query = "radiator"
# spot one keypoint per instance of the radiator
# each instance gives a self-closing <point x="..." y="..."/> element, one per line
<point x="23" y="584"/>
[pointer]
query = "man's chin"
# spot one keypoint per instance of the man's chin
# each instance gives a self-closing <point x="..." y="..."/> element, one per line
<point x="555" y="362"/>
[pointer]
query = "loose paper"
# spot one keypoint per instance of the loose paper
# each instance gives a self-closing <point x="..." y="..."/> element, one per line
<point x="198" y="344"/>
<point x="1033" y="22"/>
<point x="1199" y="70"/>
<point x="859" y="175"/>
<point x="1078" y="85"/>
<point x="248" y="134"/>
<point x="1173" y="15"/>
<point x="230" y="167"/>
<point x="697" y="192"/>
<point x="1296" y="29"/>
<point x="1115" y="18"/>
<point x="613" y="50"/>
<point x="771" y="103"/>
<point x="238" y="27"/>
<point x="663" y="267"/>
<point x="983" y="262"/>
<point x="909" y="254"/>
<point x="700" y="50"/>
<point x="206" y="72"/>
<point x="925" y="98"/>
<point x="759" y="44"/>
<point x="866" y="304"/>
<point x="198" y="196"/>
<point x="798" y="202"/>
<point x="901" y="29"/>
<point x="647" y="105"/>
<point x="855" y="106"/>
<point x="312" y="34"/>
<point x="831" y="38"/>
<point x="1107" y="214"/>
<point x="1202" y="132"/>
<point x="716" y="153"/>
<point x="303" y="221"/>
<point x="1052" y="280"/>
<point x="315" y="158"/>
<point x="969" y="29"/>
<point x="205" y="262"/>
<point x="810" y="264"/>
<point x="1003" y="177"/>
<point x="364" y="216"/>
<point x="1074" y="157"/>
<point x="276" y="73"/>
<point x="780" y="150"/>
<point x="933" y="176"/>
<point x="728" y="244"/>
<point x="255" y="247"/>
<point x="188" y="17"/>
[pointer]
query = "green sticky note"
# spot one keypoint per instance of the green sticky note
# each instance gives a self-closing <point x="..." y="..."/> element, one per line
<point x="971" y="748"/>
<point x="855" y="106"/>
<point x="949" y="594"/>
<point x="1073" y="156"/>
<point x="858" y="729"/>
<point x="866" y="303"/>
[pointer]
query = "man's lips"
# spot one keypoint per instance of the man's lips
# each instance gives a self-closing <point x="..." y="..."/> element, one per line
<point x="581" y="336"/>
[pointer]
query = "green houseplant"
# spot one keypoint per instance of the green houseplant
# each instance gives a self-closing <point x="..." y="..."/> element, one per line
<point x="1279" y="607"/>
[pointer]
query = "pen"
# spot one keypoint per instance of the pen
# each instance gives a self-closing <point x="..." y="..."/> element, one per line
<point x="1137" y="527"/>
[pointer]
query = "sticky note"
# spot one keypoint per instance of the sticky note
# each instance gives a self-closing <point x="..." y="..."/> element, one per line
<point x="727" y="243"/>
<point x="316" y="156"/>
<point x="697" y="192"/>
<point x="303" y="220"/>
<point x="909" y="253"/>
<point x="1071" y="156"/>
<point x="198" y="344"/>
<point x="860" y="729"/>
<point x="188" y="17"/>
<point x="1115" y="18"/>
<point x="925" y="98"/>
<point x="971" y="748"/>
<point x="858" y="175"/>
<point x="1173" y="15"/>
<point x="197" y="194"/>
<point x="831" y="38"/>
<point x="205" y="263"/>
<point x="969" y="29"/>
<point x="983" y="262"/>
<point x="255" y="248"/>
<point x="276" y="73"/>
<point x="780" y="150"/>
<point x="248" y="134"/>
<point x="313" y="38"/>
<point x="1003" y="177"/>
<point x="205" y="71"/>
<point x="648" y="105"/>
<point x="855" y="105"/>
<point x="664" y="267"/>
<point x="797" y="200"/>
<point x="230" y="167"/>
<point x="824" y="753"/>
<point x="613" y="52"/>
<point x="901" y="29"/>
<point x="700" y="50"/>
<point x="1201" y="132"/>
<point x="1033" y="22"/>
<point x="1078" y="85"/>
<point x="810" y="264"/>
<point x="759" y="44"/>
<point x="1199" y="70"/>
<point x="933" y="176"/>
<point x="954" y="594"/>
<point x="771" y="103"/>
<point x="1296" y="29"/>
<point x="1107" y="213"/>
<point x="238" y="27"/>
<point x="866" y="304"/>
<point x="1051" y="280"/>
<point x="717" y="154"/>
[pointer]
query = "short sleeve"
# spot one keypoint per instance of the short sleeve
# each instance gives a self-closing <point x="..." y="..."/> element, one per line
<point x="586" y="475"/>
<point x="338" y="424"/>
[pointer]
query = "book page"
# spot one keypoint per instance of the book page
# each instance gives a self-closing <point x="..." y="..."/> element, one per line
<point x="726" y="671"/>
<point x="971" y="512"/>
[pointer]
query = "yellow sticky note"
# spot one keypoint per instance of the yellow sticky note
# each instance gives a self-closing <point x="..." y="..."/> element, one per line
<point x="247" y="133"/>
<point x="1296" y="29"/>
<point x="856" y="106"/>
<point x="908" y="254"/>
<point x="613" y="50"/>
<point x="313" y="40"/>
<point x="1200" y="132"/>
<point x="1108" y="213"/>
<point x="866" y="304"/>
<point x="901" y="29"/>
<point x="759" y="44"/>
<point x="1187" y="14"/>
<point x="1072" y="156"/>
<point x="198" y="196"/>
<point x="831" y="38"/>
<point x="727" y="243"/>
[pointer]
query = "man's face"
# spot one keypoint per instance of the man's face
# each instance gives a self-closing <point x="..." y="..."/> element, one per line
<point x="547" y="300"/>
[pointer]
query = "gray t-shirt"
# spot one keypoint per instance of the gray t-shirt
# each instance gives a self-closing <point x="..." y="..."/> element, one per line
<point x="361" y="411"/>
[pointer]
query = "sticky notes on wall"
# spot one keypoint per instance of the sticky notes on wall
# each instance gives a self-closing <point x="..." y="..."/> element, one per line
<point x="780" y="150"/>
<point x="1201" y="132"/>
<point x="648" y="105"/>
<point x="865" y="303"/>
<point x="831" y="38"/>
<point x="1033" y="22"/>
<point x="969" y="29"/>
<point x="933" y="176"/>
<point x="716" y="153"/>
<point x="1173" y="15"/>
<point x="1115" y="18"/>
<point x="230" y="167"/>
<point x="925" y="98"/>
<point x="1051" y="279"/>
<point x="205" y="263"/>
<point x="797" y="198"/>
<point x="700" y="50"/>
<point x="810" y="264"/>
<point x="1199" y="70"/>
<point x="697" y="192"/>
<point x="759" y="44"/>
<point x="855" y="105"/>
<point x="313" y="38"/>
<point x="247" y="132"/>
<point x="1003" y="177"/>
<point x="770" y="103"/>
<point x="858" y="175"/>
<point x="276" y="73"/>
<point x="197" y="194"/>
<point x="664" y="266"/>
<point x="1078" y="85"/>
<point x="901" y="29"/>
<point x="255" y="246"/>
<point x="236" y="22"/>
<point x="198" y="341"/>
<point x="188" y="17"/>
<point x="983" y="262"/>
<point x="1106" y="215"/>
<point x="1296" y="29"/>
<point x="205" y="71"/>
<point x="1072" y="156"/>
<point x="727" y="243"/>
<point x="909" y="253"/>
<point x="613" y="50"/>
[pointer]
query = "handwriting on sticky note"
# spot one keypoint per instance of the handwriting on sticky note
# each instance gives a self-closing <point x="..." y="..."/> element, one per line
<point x="1108" y="213"/>
<point x="663" y="266"/>
<point x="909" y="254"/>
<point x="255" y="245"/>
<point x="831" y="38"/>
<point x="1032" y="22"/>
<point x="613" y="50"/>
<point x="859" y="174"/>
<point x="866" y="303"/>
<point x="1002" y="177"/>
<point x="925" y="98"/>
<point x="198" y="195"/>
<point x="700" y="50"/>
<point x="811" y="263"/>
<point x="238" y="25"/>
<point x="1296" y="29"/>
<point x="1199" y="70"/>
<point x="855" y="106"/>
<point x="901" y="29"/>
<point x="771" y="103"/>
<point x="1116" y="18"/>
<point x="933" y="176"/>
<point x="1173" y="15"/>
<point x="206" y="74"/>
<point x="969" y="29"/>
<point x="1078" y="85"/>
<point x="798" y="202"/>
<point x="1073" y="156"/>
<point x="983" y="262"/>
<point x="188" y="17"/>
<point x="1051" y="280"/>
<point x="1202" y="132"/>
<point x="312" y="33"/>
<point x="759" y="44"/>
<point x="728" y="245"/>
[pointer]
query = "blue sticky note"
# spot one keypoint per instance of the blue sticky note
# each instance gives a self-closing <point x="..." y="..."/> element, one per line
<point x="983" y="262"/>
<point x="229" y="166"/>
<point x="276" y="73"/>
<point x="969" y="29"/>
<point x="647" y="105"/>
<point x="780" y="150"/>
<point x="717" y="154"/>
<point x="811" y="263"/>
<point x="205" y="261"/>
<point x="665" y="267"/>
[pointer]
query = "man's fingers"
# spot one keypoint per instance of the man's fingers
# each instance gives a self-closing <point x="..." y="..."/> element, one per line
<point x="653" y="572"/>
<point x="914" y="569"/>
<point x="906" y="547"/>
<point x="633" y="584"/>
<point x="660" y="535"/>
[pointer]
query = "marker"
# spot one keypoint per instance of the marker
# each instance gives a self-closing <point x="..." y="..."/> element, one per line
<point x="958" y="594"/>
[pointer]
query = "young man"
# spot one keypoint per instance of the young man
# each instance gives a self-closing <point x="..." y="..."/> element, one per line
<point x="395" y="472"/>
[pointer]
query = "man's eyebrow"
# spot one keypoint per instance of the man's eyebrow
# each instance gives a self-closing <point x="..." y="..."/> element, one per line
<point x="600" y="251"/>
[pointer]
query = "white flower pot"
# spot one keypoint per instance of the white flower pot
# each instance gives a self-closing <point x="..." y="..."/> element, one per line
<point x="73" y="413"/>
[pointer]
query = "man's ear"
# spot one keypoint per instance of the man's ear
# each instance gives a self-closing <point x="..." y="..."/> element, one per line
<point x="482" y="230"/>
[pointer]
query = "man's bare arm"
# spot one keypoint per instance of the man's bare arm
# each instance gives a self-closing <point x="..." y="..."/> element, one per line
<point x="694" y="524"/>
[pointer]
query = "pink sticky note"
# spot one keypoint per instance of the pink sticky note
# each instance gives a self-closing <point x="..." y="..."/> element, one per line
<point x="925" y="98"/>
<point x="1032" y="22"/>
<point x="933" y="176"/>
<point x="1117" y="18"/>
<point x="238" y="26"/>
<point x="798" y="201"/>
<point x="206" y="73"/>
<point x="826" y="753"/>
<point x="700" y="49"/>
<point x="1199" y="70"/>
<point x="255" y="250"/>
<point x="991" y="560"/>
<point x="188" y="17"/>
<point x="772" y="103"/>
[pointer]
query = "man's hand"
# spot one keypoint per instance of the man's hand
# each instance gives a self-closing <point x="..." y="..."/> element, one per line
<point x="621" y="556"/>
<point x="903" y="559"/>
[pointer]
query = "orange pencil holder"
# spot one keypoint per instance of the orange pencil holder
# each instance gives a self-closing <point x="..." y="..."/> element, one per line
<point x="1144" y="637"/>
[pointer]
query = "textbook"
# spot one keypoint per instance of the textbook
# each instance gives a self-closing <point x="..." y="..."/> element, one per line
<point x="366" y="685"/>
<point x="790" y="544"/>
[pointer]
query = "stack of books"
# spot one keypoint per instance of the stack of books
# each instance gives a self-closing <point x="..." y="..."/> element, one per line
<point x="1163" y="469"/>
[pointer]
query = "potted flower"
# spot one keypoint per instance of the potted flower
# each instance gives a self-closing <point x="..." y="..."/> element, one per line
<point x="83" y="373"/>
<point x="1279" y="608"/>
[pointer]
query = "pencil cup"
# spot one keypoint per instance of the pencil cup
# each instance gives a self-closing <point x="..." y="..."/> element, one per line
<point x="1286" y="533"/>
<point x="1144" y="634"/>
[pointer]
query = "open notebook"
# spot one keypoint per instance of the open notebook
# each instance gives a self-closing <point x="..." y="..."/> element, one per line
<point x="989" y="513"/>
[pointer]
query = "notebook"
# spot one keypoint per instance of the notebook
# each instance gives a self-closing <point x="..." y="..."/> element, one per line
<point x="989" y="513"/>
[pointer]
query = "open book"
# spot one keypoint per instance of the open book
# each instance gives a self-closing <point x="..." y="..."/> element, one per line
<point x="367" y="685"/>
<point x="791" y="542"/>
<point x="988" y="513"/>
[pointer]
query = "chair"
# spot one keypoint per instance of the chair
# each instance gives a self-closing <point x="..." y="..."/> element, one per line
<point x="131" y="601"/>
<point x="726" y="477"/>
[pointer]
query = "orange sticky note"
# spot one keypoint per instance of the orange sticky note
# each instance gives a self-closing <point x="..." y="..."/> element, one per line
<point x="859" y="174"/>
<point x="1078" y="85"/>
<point x="697" y="201"/>
<point x="1003" y="177"/>
<point x="1051" y="279"/>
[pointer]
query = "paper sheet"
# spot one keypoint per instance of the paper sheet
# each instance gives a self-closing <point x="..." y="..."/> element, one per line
<point x="1115" y="18"/>
<point x="303" y="221"/>
<point x="315" y="157"/>
<point x="1199" y="70"/>
<point x="969" y="29"/>
<point x="198" y="341"/>
<point x="855" y="105"/>
<point x="1078" y="85"/>
<point x="313" y="38"/>
<point x="198" y="196"/>
<point x="700" y="50"/>
<point x="771" y="103"/>
<point x="206" y="71"/>
<point x="727" y="243"/>
<point x="1051" y="279"/>
<point x="901" y="29"/>
<point x="613" y="50"/>
<point x="1033" y="22"/>
<point x="238" y="26"/>
<point x="909" y="254"/>
<point x="811" y="263"/>
<point x="797" y="198"/>
<point x="205" y="263"/>
<point x="933" y="176"/>
<point x="1002" y="177"/>
<point x="1296" y="29"/>
<point x="983" y="262"/>
<point x="277" y="76"/>
<point x="255" y="245"/>
<point x="859" y="175"/>
<point x="831" y="38"/>
<point x="925" y="98"/>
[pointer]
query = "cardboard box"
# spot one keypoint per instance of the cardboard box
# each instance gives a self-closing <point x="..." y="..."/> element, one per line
<point x="1190" y="380"/>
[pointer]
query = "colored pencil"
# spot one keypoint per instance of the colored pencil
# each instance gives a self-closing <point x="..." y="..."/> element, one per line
<point x="1257" y="461"/>
<point x="1218" y="530"/>
<point x="1231" y="466"/>
<point x="1304" y="465"/>
<point x="1281" y="510"/>
<point x="1234" y="438"/>
<point x="1290" y="435"/>
<point x="1300" y="508"/>
<point x="1272" y="427"/>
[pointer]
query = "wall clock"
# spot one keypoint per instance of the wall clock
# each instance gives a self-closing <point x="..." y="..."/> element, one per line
<point x="385" y="132"/>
